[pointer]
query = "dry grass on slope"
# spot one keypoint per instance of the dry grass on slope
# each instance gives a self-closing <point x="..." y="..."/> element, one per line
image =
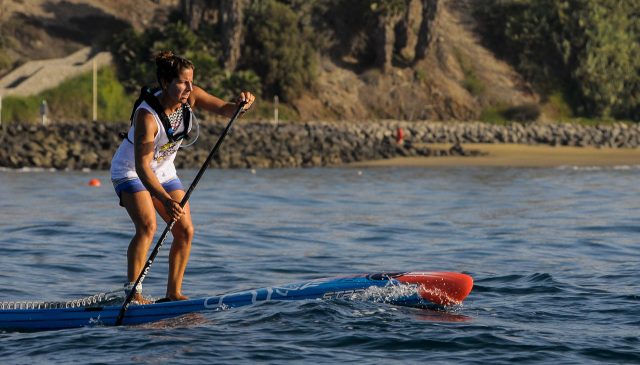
<point x="457" y="80"/>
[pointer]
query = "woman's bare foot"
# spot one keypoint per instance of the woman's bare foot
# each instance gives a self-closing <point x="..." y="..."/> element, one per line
<point x="139" y="299"/>
<point x="177" y="297"/>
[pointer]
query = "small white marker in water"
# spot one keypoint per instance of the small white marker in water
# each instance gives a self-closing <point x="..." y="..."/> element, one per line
<point x="359" y="172"/>
<point x="253" y="171"/>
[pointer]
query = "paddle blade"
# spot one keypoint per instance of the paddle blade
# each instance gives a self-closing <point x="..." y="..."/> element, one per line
<point x="442" y="288"/>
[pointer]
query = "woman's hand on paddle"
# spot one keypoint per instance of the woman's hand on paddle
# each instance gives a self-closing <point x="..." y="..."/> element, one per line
<point x="248" y="98"/>
<point x="173" y="209"/>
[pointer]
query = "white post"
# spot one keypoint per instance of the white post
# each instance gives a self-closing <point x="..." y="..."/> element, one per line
<point x="95" y="90"/>
<point x="275" y="109"/>
<point x="43" y="112"/>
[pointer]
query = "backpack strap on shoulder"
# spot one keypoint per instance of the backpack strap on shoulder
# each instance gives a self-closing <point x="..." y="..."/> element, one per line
<point x="186" y="119"/>
<point x="147" y="94"/>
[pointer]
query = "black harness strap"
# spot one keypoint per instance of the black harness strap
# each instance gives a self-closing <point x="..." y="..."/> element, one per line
<point x="147" y="94"/>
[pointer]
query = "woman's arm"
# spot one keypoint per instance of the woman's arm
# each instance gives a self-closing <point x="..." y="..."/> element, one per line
<point x="146" y="129"/>
<point x="210" y="103"/>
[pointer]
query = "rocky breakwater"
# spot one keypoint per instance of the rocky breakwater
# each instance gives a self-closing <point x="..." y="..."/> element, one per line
<point x="250" y="145"/>
<point x="59" y="146"/>
<point x="265" y="145"/>
<point x="616" y="135"/>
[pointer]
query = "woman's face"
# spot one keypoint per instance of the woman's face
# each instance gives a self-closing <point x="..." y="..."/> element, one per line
<point x="180" y="88"/>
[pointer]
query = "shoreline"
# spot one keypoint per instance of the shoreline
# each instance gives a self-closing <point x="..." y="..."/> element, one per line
<point x="490" y="155"/>
<point x="516" y="155"/>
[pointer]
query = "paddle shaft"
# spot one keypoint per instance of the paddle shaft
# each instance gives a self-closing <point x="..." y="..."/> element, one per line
<point x="163" y="236"/>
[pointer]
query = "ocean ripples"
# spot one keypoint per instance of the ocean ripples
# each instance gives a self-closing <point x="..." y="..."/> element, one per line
<point x="552" y="252"/>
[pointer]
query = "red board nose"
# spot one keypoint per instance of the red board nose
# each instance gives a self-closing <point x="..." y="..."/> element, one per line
<point x="443" y="288"/>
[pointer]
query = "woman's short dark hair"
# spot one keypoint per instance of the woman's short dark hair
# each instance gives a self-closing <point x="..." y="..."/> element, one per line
<point x="169" y="65"/>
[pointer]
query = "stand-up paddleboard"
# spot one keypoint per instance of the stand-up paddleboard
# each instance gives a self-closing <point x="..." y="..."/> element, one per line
<point x="423" y="289"/>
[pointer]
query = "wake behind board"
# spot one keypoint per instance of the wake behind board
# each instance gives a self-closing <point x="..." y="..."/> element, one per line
<point x="425" y="289"/>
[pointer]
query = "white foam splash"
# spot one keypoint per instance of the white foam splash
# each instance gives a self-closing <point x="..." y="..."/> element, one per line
<point x="104" y="298"/>
<point x="401" y="292"/>
<point x="386" y="294"/>
<point x="442" y="295"/>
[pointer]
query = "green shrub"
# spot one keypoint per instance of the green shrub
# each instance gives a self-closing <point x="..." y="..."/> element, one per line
<point x="263" y="109"/>
<point x="590" y="47"/>
<point x="278" y="50"/>
<point x="473" y="85"/>
<point x="505" y="114"/>
<point x="557" y="108"/>
<point x="73" y="101"/>
<point x="522" y="113"/>
<point x="471" y="82"/>
<point x="114" y="104"/>
<point x="135" y="53"/>
<point x="493" y="115"/>
<point x="233" y="83"/>
<point x="20" y="109"/>
<point x="420" y="76"/>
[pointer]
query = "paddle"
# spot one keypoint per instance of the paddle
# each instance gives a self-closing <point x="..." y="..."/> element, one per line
<point x="154" y="253"/>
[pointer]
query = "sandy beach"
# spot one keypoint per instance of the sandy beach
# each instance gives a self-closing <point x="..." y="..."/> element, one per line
<point x="517" y="155"/>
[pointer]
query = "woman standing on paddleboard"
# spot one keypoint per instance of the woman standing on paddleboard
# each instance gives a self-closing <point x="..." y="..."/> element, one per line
<point x="142" y="169"/>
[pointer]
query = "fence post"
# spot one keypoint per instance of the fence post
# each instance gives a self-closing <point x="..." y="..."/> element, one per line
<point x="275" y="109"/>
<point x="43" y="111"/>
<point x="95" y="90"/>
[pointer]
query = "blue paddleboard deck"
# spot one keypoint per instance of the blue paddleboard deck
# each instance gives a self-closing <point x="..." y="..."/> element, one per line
<point x="430" y="290"/>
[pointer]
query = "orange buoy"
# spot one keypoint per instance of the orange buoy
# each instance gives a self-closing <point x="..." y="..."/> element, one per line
<point x="399" y="135"/>
<point x="94" y="183"/>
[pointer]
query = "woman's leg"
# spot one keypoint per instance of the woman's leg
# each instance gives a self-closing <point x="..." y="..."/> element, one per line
<point x="140" y="208"/>
<point x="180" y="247"/>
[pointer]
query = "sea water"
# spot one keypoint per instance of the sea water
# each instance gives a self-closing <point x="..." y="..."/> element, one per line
<point x="555" y="254"/>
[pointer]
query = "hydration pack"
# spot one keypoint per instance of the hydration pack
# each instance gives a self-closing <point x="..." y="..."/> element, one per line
<point x="147" y="94"/>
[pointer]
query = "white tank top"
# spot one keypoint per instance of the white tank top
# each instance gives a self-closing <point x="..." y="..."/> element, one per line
<point x="123" y="166"/>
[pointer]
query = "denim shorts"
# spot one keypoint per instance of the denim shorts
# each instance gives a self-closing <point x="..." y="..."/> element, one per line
<point x="134" y="185"/>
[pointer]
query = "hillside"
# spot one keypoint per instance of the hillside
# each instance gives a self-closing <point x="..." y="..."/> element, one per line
<point x="433" y="89"/>
<point x="43" y="29"/>
<point x="457" y="79"/>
